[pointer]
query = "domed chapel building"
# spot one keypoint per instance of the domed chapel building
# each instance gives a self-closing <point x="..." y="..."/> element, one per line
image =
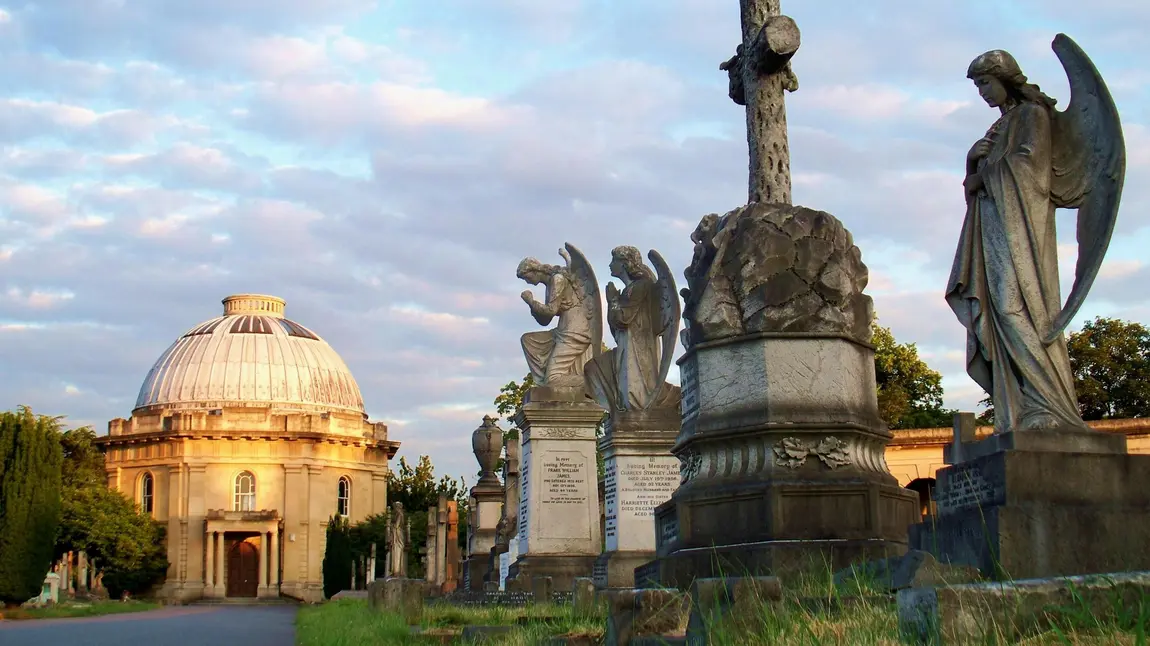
<point x="248" y="434"/>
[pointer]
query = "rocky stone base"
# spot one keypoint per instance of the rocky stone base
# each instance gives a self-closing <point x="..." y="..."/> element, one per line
<point x="1019" y="514"/>
<point x="1006" y="612"/>
<point x="782" y="558"/>
<point x="617" y="569"/>
<point x="563" y="570"/>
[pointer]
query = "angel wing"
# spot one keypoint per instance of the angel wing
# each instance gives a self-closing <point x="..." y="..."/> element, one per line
<point x="669" y="313"/>
<point x="585" y="275"/>
<point x="1089" y="168"/>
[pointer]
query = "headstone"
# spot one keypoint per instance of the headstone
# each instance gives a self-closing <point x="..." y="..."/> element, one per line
<point x="506" y="559"/>
<point x="441" y="542"/>
<point x="486" y="506"/>
<point x="508" y="525"/>
<point x="558" y="501"/>
<point x="583" y="597"/>
<point x="452" y="554"/>
<point x="645" y="616"/>
<point x="541" y="588"/>
<point x="432" y="574"/>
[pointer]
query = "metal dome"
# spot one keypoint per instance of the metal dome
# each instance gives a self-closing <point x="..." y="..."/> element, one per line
<point x="251" y="356"/>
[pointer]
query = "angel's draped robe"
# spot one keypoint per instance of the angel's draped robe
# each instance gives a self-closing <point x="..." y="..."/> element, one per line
<point x="626" y="377"/>
<point x="1004" y="283"/>
<point x="557" y="354"/>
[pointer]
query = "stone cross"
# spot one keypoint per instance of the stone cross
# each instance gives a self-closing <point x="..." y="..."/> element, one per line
<point x="760" y="72"/>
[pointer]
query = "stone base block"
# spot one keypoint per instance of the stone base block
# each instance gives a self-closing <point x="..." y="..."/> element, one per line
<point x="713" y="599"/>
<point x="1006" y="612"/>
<point x="617" y="569"/>
<point x="583" y="597"/>
<point x="1022" y="514"/>
<point x="562" y="569"/>
<point x="400" y="596"/>
<point x="476" y="570"/>
<point x="651" y="614"/>
<point x="782" y="558"/>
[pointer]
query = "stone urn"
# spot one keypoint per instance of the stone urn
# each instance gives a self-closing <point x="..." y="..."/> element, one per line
<point x="487" y="444"/>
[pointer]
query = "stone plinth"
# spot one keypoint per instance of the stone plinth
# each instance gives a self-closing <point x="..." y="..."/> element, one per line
<point x="558" y="503"/>
<point x="783" y="463"/>
<point x="640" y="474"/>
<point x="483" y="517"/>
<point x="1041" y="504"/>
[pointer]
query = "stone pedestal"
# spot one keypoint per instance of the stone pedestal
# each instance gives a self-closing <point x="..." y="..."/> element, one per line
<point x="558" y="503"/>
<point x="640" y="474"/>
<point x="783" y="465"/>
<point x="1041" y="504"/>
<point x="484" y="516"/>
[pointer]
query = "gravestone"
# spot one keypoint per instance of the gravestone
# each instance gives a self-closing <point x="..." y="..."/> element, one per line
<point x="486" y="507"/>
<point x="558" y="502"/>
<point x="452" y="554"/>
<point x="506" y="531"/>
<point x="781" y="446"/>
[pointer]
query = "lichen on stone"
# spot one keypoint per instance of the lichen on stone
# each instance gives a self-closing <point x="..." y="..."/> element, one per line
<point x="775" y="268"/>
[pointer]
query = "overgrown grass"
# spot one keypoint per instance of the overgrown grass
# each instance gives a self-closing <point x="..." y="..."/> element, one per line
<point x="349" y="622"/>
<point x="79" y="609"/>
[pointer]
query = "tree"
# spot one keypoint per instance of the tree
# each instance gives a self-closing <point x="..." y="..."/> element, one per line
<point x="128" y="546"/>
<point x="909" y="391"/>
<point x="337" y="557"/>
<point x="1110" y="359"/>
<point x="418" y="490"/>
<point x="30" y="464"/>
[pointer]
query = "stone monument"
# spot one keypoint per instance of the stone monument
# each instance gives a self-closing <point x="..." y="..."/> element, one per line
<point x="486" y="507"/>
<point x="1044" y="495"/>
<point x="452" y="560"/>
<point x="399" y="535"/>
<point x="630" y="382"/>
<point x="506" y="530"/>
<point x="781" y="444"/>
<point x="558" y="503"/>
<point x="434" y="546"/>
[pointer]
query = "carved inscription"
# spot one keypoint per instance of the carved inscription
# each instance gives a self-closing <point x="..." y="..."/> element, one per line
<point x="564" y="478"/>
<point x="689" y="378"/>
<point x="633" y="487"/>
<point x="965" y="487"/>
<point x="610" y="503"/>
<point x="524" y="491"/>
<point x="668" y="529"/>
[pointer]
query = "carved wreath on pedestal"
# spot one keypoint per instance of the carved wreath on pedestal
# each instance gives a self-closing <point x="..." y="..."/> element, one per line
<point x="792" y="452"/>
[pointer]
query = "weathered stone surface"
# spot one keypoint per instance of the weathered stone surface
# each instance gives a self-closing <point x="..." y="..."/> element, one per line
<point x="583" y="596"/>
<point x="712" y="599"/>
<point x="541" y="587"/>
<point x="1005" y="612"/>
<point x="915" y="569"/>
<point x="400" y="596"/>
<point x="776" y="268"/>
<point x="634" y="614"/>
<point x="484" y="634"/>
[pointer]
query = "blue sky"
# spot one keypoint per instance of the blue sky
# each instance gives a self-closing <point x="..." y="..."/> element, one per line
<point x="383" y="166"/>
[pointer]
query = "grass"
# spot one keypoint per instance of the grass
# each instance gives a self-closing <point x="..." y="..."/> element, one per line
<point x="79" y="609"/>
<point x="349" y="622"/>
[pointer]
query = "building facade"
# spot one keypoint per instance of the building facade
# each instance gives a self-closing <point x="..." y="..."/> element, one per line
<point x="248" y="434"/>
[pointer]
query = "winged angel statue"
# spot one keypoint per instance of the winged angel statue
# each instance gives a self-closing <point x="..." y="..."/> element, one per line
<point x="556" y="357"/>
<point x="644" y="319"/>
<point x="1004" y="283"/>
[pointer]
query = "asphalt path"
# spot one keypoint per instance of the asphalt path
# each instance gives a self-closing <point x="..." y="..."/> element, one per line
<point x="179" y="626"/>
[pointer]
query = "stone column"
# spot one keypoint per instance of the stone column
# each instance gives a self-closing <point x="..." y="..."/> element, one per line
<point x="559" y="502"/>
<point x="221" y="566"/>
<point x="262" y="589"/>
<point x="451" y="554"/>
<point x="209" y="560"/>
<point x="486" y="505"/>
<point x="441" y="541"/>
<point x="432" y="545"/>
<point x="640" y="474"/>
<point x="275" y="558"/>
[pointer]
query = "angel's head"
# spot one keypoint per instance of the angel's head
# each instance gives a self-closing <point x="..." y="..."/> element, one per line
<point x="628" y="260"/>
<point x="1001" y="83"/>
<point x="535" y="272"/>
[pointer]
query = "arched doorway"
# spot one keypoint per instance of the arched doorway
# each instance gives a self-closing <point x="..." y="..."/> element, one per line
<point x="243" y="570"/>
<point x="925" y="489"/>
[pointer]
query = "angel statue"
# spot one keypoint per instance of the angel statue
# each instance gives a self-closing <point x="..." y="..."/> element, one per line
<point x="1004" y="283"/>
<point x="644" y="319"/>
<point x="556" y="357"/>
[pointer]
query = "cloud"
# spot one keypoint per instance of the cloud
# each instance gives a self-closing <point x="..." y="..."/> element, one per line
<point x="384" y="167"/>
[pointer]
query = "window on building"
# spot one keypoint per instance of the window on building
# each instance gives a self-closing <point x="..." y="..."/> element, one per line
<point x="147" y="492"/>
<point x="343" y="497"/>
<point x="245" y="499"/>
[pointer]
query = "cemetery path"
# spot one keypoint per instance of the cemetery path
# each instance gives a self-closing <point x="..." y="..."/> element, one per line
<point x="184" y="626"/>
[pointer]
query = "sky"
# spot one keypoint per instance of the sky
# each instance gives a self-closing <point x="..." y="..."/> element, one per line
<point x="383" y="166"/>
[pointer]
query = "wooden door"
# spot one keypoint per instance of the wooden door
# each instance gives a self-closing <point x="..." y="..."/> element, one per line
<point x="243" y="570"/>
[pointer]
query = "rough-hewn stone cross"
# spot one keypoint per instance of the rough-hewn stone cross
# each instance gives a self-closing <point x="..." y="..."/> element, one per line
<point x="760" y="72"/>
